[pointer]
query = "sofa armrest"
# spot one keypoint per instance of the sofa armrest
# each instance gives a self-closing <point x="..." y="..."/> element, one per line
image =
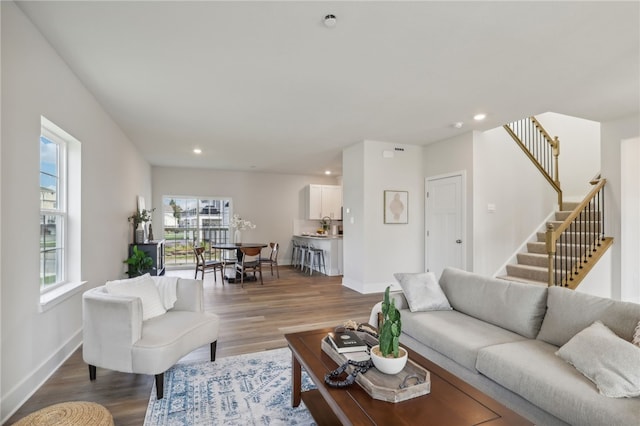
<point x="190" y="294"/>
<point x="400" y="302"/>
<point x="111" y="326"/>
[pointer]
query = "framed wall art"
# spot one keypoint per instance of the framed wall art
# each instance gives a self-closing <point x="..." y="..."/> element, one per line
<point x="396" y="207"/>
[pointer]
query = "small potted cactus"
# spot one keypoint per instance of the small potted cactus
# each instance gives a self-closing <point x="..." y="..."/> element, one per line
<point x="388" y="357"/>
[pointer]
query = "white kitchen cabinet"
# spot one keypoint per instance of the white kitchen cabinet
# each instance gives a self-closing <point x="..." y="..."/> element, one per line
<point x="324" y="200"/>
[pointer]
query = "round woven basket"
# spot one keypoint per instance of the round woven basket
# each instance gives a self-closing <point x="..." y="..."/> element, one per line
<point x="75" y="413"/>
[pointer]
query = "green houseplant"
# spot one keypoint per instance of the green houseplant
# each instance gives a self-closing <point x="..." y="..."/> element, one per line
<point x="388" y="356"/>
<point x="139" y="263"/>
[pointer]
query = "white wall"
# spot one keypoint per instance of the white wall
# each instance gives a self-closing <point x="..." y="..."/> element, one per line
<point x="271" y="201"/>
<point x="504" y="177"/>
<point x="373" y="250"/>
<point x="629" y="221"/>
<point x="451" y="156"/>
<point x="579" y="159"/>
<point x="613" y="133"/>
<point x="353" y="210"/>
<point x="35" y="82"/>
<point x="1" y="138"/>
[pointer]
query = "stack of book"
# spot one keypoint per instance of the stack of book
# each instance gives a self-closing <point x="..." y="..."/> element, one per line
<point x="346" y="341"/>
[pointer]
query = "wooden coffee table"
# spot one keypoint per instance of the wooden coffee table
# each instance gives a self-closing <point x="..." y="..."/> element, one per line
<point x="451" y="401"/>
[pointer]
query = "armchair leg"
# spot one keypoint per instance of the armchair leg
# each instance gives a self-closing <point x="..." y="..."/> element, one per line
<point x="214" y="345"/>
<point x="92" y="372"/>
<point x="159" y="385"/>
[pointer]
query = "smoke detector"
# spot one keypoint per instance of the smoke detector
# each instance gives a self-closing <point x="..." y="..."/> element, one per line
<point x="330" y="21"/>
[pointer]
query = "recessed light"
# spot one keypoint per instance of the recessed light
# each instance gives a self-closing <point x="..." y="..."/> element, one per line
<point x="327" y="172"/>
<point x="479" y="117"/>
<point x="458" y="124"/>
<point x="197" y="151"/>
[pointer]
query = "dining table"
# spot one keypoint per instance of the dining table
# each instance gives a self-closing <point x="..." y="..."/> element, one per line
<point x="237" y="247"/>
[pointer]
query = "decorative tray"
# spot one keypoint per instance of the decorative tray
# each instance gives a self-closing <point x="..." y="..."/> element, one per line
<point x="382" y="386"/>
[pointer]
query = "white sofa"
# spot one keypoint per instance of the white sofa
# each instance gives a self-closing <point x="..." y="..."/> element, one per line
<point x="116" y="337"/>
<point x="502" y="338"/>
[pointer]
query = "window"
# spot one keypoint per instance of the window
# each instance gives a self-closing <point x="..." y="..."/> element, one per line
<point x="190" y="221"/>
<point x="59" y="207"/>
<point x="53" y="209"/>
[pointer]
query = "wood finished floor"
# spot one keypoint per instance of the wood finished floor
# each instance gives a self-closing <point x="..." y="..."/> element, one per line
<point x="253" y="319"/>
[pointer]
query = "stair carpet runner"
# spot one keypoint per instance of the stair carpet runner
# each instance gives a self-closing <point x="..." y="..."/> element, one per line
<point x="532" y="265"/>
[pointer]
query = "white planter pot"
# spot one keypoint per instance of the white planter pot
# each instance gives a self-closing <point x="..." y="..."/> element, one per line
<point x="389" y="365"/>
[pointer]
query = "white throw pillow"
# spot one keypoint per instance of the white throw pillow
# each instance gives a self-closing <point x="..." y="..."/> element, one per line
<point x="422" y="291"/>
<point x="609" y="361"/>
<point x="142" y="287"/>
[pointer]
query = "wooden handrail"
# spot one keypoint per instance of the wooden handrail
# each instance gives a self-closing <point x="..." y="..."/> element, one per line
<point x="578" y="210"/>
<point x="536" y="151"/>
<point x="581" y="236"/>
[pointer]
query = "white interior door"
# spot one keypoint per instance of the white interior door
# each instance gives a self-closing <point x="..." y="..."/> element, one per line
<point x="444" y="223"/>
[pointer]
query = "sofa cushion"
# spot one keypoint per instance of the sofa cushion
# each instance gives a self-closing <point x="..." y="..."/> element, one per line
<point x="569" y="312"/>
<point x="422" y="291"/>
<point x="454" y="334"/>
<point x="610" y="362"/>
<point x="531" y="369"/>
<point x="515" y="306"/>
<point x="142" y="287"/>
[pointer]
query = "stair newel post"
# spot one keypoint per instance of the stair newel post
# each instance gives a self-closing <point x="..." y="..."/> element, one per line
<point x="550" y="239"/>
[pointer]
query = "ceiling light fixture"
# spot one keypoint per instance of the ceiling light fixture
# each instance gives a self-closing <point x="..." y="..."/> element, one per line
<point x="197" y="151"/>
<point x="330" y="21"/>
<point x="458" y="124"/>
<point x="479" y="117"/>
<point x="327" y="172"/>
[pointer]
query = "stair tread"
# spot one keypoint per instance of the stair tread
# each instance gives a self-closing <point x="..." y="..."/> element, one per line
<point x="526" y="253"/>
<point x="521" y="280"/>
<point x="529" y="267"/>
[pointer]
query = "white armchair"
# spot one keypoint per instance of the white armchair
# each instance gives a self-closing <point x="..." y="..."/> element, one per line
<point x="116" y="337"/>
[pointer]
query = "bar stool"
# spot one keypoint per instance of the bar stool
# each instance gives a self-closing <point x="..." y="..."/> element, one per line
<point x="316" y="253"/>
<point x="295" y="252"/>
<point x="303" y="252"/>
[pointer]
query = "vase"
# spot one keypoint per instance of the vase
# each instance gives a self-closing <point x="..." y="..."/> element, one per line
<point x="237" y="236"/>
<point x="139" y="234"/>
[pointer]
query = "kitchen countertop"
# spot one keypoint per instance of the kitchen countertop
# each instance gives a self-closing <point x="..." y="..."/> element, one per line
<point x="320" y="236"/>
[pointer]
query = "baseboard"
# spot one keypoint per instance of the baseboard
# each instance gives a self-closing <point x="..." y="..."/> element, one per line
<point x="16" y="397"/>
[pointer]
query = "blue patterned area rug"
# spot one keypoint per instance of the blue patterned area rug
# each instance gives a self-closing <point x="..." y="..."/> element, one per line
<point x="250" y="389"/>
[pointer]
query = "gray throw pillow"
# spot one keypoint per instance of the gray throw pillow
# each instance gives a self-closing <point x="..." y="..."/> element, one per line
<point x="609" y="361"/>
<point x="422" y="291"/>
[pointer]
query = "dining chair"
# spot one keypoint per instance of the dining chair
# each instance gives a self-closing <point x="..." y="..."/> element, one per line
<point x="204" y="265"/>
<point x="250" y="263"/>
<point x="272" y="259"/>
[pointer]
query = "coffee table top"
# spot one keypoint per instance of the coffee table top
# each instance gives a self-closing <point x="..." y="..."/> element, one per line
<point x="451" y="401"/>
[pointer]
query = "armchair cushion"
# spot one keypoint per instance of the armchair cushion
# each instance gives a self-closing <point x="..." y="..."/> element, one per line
<point x="142" y="287"/>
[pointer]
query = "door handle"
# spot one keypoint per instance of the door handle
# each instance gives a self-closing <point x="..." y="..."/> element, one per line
<point x="459" y="241"/>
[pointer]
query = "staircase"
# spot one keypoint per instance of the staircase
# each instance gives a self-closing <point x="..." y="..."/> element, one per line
<point x="533" y="264"/>
<point x="570" y="245"/>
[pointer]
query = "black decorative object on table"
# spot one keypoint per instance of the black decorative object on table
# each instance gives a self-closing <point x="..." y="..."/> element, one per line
<point x="360" y="367"/>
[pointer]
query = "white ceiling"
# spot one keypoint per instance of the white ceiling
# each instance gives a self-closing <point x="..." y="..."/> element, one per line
<point x="265" y="86"/>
